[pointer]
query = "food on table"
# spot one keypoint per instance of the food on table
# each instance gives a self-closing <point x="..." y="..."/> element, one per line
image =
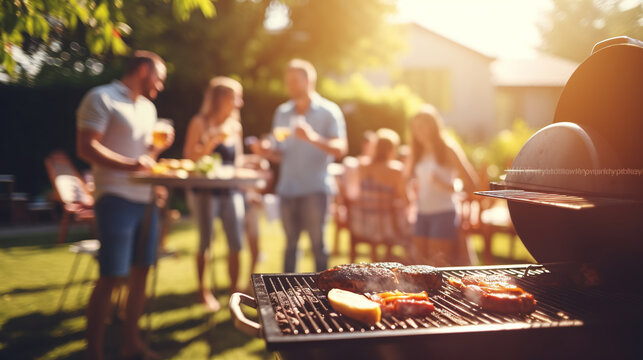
<point x="355" y="306"/>
<point x="180" y="168"/>
<point x="208" y="164"/>
<point x="160" y="169"/>
<point x="187" y="165"/>
<point x="496" y="293"/>
<point x="397" y="303"/>
<point x="380" y="277"/>
<point x="173" y="164"/>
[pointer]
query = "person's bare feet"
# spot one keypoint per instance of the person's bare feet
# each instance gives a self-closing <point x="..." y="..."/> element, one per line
<point x="137" y="350"/>
<point x="210" y="302"/>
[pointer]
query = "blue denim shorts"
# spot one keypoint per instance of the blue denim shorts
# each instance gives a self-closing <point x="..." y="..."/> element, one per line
<point x="229" y="207"/>
<point x="119" y="225"/>
<point x="442" y="225"/>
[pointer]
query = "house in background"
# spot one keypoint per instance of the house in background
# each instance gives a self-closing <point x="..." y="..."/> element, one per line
<point x="477" y="94"/>
<point x="453" y="77"/>
<point x="529" y="88"/>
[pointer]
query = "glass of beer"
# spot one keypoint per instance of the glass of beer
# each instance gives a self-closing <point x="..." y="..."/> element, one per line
<point x="162" y="130"/>
<point x="281" y="133"/>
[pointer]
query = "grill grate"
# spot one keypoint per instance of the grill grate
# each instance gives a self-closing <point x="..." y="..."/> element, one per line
<point x="302" y="310"/>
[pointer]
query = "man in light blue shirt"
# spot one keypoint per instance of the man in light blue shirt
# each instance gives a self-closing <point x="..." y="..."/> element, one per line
<point x="312" y="132"/>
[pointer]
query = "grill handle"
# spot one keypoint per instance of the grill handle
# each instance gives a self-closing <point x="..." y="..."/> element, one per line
<point x="241" y="322"/>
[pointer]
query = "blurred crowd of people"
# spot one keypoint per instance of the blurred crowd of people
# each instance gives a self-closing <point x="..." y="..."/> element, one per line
<point x="390" y="194"/>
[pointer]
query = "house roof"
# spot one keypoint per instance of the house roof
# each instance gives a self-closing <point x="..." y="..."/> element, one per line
<point x="542" y="70"/>
<point x="434" y="33"/>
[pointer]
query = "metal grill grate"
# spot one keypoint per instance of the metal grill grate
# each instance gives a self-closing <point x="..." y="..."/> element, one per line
<point x="302" y="310"/>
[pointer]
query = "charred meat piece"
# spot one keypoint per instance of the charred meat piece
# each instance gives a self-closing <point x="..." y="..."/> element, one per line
<point x="495" y="293"/>
<point x="500" y="302"/>
<point x="380" y="277"/>
<point x="415" y="278"/>
<point x="357" y="278"/>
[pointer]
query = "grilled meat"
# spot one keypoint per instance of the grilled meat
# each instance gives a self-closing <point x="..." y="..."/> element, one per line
<point x="495" y="293"/>
<point x="380" y="277"/>
<point x="501" y="302"/>
<point x="415" y="278"/>
<point x="397" y="303"/>
<point x="358" y="278"/>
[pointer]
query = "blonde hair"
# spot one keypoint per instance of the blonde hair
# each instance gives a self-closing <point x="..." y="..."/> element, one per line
<point x="306" y="68"/>
<point x="386" y="144"/>
<point x="218" y="87"/>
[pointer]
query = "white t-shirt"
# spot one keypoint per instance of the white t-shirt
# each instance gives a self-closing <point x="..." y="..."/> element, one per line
<point x="126" y="126"/>
<point x="434" y="198"/>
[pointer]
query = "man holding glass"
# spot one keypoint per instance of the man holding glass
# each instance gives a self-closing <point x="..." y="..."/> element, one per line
<point x="115" y="135"/>
<point x="309" y="132"/>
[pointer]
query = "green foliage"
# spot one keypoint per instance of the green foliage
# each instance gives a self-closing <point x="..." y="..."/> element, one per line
<point x="498" y="153"/>
<point x="25" y="22"/>
<point x="574" y="26"/>
<point x="183" y="9"/>
<point x="358" y="88"/>
<point x="369" y="108"/>
<point x="335" y="35"/>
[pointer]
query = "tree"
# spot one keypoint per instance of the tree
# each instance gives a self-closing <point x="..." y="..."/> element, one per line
<point x="30" y="24"/>
<point x="574" y="26"/>
<point x="336" y="35"/>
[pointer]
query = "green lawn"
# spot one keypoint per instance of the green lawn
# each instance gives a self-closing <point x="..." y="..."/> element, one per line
<point x="33" y="271"/>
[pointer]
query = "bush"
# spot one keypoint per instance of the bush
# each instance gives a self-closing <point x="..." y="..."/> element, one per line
<point x="498" y="153"/>
<point x="369" y="108"/>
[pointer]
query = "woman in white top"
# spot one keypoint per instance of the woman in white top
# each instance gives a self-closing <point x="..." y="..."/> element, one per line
<point x="436" y="161"/>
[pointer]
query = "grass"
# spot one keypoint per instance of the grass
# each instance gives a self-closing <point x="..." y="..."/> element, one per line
<point x="33" y="272"/>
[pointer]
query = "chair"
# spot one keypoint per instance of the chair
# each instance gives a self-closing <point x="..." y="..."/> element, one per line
<point x="86" y="247"/>
<point x="376" y="218"/>
<point x="72" y="192"/>
<point x="338" y="208"/>
<point x="486" y="217"/>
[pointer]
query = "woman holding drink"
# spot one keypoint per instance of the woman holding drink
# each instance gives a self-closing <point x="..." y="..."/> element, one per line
<point x="216" y="129"/>
<point x="435" y="163"/>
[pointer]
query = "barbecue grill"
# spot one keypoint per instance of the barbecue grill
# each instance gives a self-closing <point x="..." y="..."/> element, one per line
<point x="576" y="201"/>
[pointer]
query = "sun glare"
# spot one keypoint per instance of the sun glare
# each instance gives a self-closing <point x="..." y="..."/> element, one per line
<point x="501" y="28"/>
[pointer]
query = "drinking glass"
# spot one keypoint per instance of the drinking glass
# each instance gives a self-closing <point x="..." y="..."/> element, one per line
<point x="162" y="130"/>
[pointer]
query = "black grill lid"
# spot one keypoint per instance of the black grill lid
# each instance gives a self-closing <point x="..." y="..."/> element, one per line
<point x="594" y="145"/>
<point x="582" y="193"/>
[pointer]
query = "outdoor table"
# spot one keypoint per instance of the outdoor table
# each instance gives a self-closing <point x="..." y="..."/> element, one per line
<point x="240" y="179"/>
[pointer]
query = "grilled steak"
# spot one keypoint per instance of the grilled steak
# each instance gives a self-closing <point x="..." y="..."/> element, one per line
<point x="380" y="277"/>
<point x="358" y="278"/>
<point x="495" y="293"/>
<point x="415" y="278"/>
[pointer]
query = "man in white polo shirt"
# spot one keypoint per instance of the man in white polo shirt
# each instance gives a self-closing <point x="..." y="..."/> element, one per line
<point x="115" y="122"/>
